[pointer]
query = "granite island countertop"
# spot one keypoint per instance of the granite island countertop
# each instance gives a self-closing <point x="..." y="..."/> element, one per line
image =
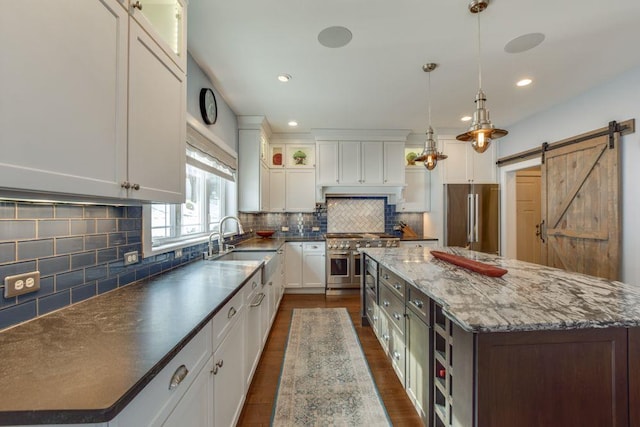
<point x="529" y="297"/>
<point x="86" y="362"/>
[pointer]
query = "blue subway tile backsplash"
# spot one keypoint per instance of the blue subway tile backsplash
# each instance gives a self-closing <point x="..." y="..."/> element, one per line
<point x="78" y="250"/>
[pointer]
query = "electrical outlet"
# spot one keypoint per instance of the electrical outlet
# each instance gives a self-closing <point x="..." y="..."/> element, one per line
<point x="315" y="228"/>
<point x="283" y="228"/>
<point x="178" y="253"/>
<point x="21" y="284"/>
<point x="131" y="258"/>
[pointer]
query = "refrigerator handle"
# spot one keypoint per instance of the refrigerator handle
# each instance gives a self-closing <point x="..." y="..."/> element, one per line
<point x="475" y="225"/>
<point x="470" y="217"/>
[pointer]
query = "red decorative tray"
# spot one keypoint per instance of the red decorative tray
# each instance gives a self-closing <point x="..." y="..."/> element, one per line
<point x="478" y="267"/>
<point x="277" y="159"/>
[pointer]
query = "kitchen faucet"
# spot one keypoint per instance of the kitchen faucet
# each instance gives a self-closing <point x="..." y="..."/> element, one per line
<point x="221" y="231"/>
<point x="211" y="242"/>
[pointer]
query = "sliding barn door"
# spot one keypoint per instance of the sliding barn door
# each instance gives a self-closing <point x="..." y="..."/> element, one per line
<point x="580" y="207"/>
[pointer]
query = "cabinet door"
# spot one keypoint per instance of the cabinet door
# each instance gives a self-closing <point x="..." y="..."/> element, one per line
<point x="265" y="314"/>
<point x="394" y="172"/>
<point x="157" y="121"/>
<point x="277" y="190"/>
<point x="350" y="162"/>
<point x="484" y="170"/>
<point x="293" y="265"/>
<point x="229" y="376"/>
<point x="418" y="371"/>
<point x="253" y="335"/>
<point x="249" y="172"/>
<point x="265" y="188"/>
<point x="313" y="270"/>
<point x="455" y="167"/>
<point x="372" y="162"/>
<point x="195" y="408"/>
<point x="277" y="156"/>
<point x="63" y="102"/>
<point x="301" y="156"/>
<point x="300" y="190"/>
<point x="165" y="20"/>
<point x="327" y="164"/>
<point x="417" y="193"/>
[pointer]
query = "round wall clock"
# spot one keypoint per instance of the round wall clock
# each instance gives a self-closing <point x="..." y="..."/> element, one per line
<point x="208" y="106"/>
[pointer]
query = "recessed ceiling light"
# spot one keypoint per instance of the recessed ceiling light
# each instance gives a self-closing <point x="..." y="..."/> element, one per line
<point x="293" y="123"/>
<point x="284" y="78"/>
<point x="465" y="118"/>
<point x="335" y="37"/>
<point x="524" y="82"/>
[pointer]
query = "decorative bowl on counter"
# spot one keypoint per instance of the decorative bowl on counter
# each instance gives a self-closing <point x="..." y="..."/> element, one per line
<point x="265" y="234"/>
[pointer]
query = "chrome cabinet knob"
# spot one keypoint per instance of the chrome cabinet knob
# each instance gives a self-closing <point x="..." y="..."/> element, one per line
<point x="126" y="185"/>
<point x="136" y="186"/>
<point x="137" y="5"/>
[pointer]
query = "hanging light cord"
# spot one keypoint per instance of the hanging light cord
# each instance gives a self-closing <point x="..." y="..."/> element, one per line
<point x="479" y="54"/>
<point x="429" y="95"/>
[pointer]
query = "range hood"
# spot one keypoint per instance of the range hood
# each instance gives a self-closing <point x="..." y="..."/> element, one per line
<point x="393" y="193"/>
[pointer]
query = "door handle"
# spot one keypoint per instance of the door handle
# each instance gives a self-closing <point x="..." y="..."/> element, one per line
<point x="469" y="218"/>
<point x="539" y="232"/>
<point x="475" y="224"/>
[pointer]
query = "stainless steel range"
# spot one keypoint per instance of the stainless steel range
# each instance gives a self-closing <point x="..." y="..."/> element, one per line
<point x="343" y="257"/>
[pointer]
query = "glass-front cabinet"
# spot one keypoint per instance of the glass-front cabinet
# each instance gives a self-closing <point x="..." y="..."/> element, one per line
<point x="300" y="156"/>
<point x="165" y="20"/>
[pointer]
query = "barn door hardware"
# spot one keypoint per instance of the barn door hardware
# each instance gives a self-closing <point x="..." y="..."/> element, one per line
<point x="545" y="147"/>
<point x="539" y="232"/>
<point x="614" y="127"/>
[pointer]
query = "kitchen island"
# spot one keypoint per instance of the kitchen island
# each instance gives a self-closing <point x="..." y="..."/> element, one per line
<point x="538" y="346"/>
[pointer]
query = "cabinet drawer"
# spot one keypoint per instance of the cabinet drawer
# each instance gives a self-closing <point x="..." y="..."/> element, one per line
<point x="156" y="401"/>
<point x="393" y="281"/>
<point x="418" y="302"/>
<point x="393" y="307"/>
<point x="230" y="313"/>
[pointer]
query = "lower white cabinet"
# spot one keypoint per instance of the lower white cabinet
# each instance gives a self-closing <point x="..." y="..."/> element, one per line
<point x="253" y="328"/>
<point x="418" y="244"/>
<point x="305" y="265"/>
<point x="229" y="386"/>
<point x="418" y="371"/>
<point x="195" y="408"/>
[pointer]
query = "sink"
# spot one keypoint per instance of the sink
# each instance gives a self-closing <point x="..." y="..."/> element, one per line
<point x="244" y="256"/>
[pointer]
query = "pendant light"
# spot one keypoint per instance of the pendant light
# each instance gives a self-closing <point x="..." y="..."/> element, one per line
<point x="481" y="131"/>
<point x="430" y="155"/>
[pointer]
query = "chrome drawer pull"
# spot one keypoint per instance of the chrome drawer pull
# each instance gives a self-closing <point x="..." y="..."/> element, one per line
<point x="386" y="276"/>
<point x="386" y="303"/>
<point x="254" y="285"/>
<point x="418" y="303"/>
<point x="219" y="363"/>
<point x="397" y="316"/>
<point x="397" y="286"/>
<point x="396" y="355"/>
<point x="385" y="337"/>
<point x="232" y="312"/>
<point x="177" y="377"/>
<point x="257" y="303"/>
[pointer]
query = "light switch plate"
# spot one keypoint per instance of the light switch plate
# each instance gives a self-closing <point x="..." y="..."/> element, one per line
<point x="21" y="284"/>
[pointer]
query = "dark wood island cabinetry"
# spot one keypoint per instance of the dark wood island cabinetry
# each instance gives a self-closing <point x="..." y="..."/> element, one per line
<point x="541" y="347"/>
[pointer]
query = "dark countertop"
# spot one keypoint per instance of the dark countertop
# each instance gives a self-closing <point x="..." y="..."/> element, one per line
<point x="85" y="363"/>
<point x="529" y="297"/>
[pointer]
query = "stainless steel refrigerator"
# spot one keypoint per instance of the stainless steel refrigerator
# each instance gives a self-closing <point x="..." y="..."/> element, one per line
<point x="471" y="216"/>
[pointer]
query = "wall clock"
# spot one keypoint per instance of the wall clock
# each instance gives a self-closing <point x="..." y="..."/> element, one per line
<point x="208" y="106"/>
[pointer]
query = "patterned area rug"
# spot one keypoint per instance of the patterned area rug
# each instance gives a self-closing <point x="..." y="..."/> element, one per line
<point x="325" y="379"/>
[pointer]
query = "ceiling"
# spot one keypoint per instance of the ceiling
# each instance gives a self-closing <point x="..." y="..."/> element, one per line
<point x="376" y="81"/>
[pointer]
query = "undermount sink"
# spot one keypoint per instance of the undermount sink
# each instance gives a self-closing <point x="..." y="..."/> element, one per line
<point x="244" y="256"/>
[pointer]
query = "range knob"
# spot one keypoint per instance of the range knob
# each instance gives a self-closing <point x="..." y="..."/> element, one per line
<point x="341" y="246"/>
<point x="347" y="246"/>
<point x="357" y="245"/>
<point x="368" y="245"/>
<point x="379" y="244"/>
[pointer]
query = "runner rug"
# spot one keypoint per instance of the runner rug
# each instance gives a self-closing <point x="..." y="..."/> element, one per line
<point x="325" y="379"/>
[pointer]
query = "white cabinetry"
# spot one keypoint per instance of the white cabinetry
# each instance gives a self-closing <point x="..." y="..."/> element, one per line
<point x="109" y="85"/>
<point x="417" y="193"/>
<point x="305" y="265"/>
<point x="352" y="163"/>
<point x="313" y="265"/>
<point x="252" y="172"/>
<point x="254" y="299"/>
<point x="292" y="190"/>
<point x="327" y="170"/>
<point x="465" y="165"/>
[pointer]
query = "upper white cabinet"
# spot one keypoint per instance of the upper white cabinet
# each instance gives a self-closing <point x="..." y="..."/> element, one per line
<point x="166" y="19"/>
<point x="465" y="165"/>
<point x="300" y="190"/>
<point x="417" y="193"/>
<point x="253" y="173"/>
<point x="354" y="163"/>
<point x="110" y="84"/>
<point x="327" y="172"/>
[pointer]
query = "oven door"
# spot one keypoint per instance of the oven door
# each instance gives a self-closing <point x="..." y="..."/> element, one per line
<point x="338" y="267"/>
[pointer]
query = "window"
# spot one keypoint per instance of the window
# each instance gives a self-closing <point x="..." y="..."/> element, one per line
<point x="209" y="196"/>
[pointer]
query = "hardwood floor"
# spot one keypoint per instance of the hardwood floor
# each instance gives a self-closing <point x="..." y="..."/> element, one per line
<point x="261" y="396"/>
